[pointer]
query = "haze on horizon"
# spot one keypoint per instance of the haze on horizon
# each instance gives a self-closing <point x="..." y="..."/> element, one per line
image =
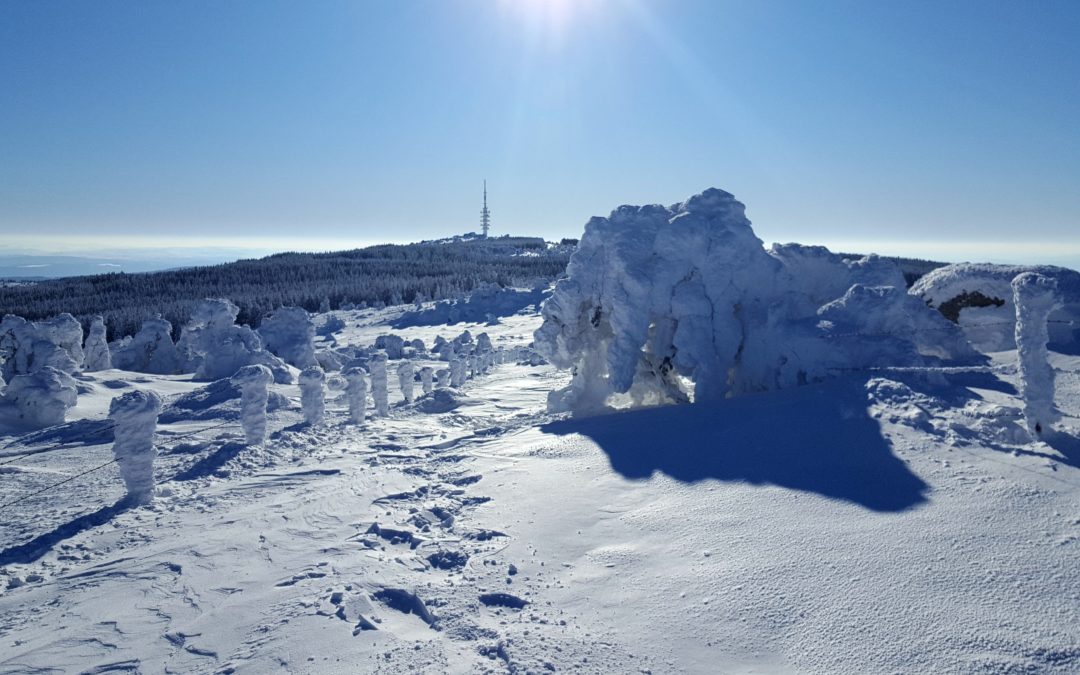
<point x="917" y="129"/>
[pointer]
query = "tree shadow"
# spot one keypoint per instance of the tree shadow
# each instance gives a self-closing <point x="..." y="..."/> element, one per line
<point x="816" y="438"/>
<point x="42" y="544"/>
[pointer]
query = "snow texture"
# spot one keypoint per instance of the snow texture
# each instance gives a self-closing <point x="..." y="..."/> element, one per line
<point x="979" y="296"/>
<point x="356" y="392"/>
<point x="661" y="299"/>
<point x="1035" y="297"/>
<point x="253" y="382"/>
<point x="41" y="398"/>
<point x="135" y="417"/>
<point x="405" y="381"/>
<point x="151" y="350"/>
<point x="96" y="348"/>
<point x="214" y="347"/>
<point x="289" y="333"/>
<point x="379" y="390"/>
<point x="312" y="395"/>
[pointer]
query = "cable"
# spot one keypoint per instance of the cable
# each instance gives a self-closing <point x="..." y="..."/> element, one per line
<point x="50" y="487"/>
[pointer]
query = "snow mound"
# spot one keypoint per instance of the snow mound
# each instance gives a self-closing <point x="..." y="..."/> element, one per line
<point x="443" y="401"/>
<point x="659" y="300"/>
<point x="979" y="297"/>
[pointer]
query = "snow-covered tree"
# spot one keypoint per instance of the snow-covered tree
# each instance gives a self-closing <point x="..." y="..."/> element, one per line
<point x="379" y="391"/>
<point x="405" y="380"/>
<point x="356" y="392"/>
<point x="289" y="333"/>
<point x="214" y="347"/>
<point x="151" y="350"/>
<point x="313" y="395"/>
<point x="41" y="398"/>
<point x="1035" y="297"/>
<point x="134" y="417"/>
<point x="426" y="374"/>
<point x="96" y="348"/>
<point x="253" y="382"/>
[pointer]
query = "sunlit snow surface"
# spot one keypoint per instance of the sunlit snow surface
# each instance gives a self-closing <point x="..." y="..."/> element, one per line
<point x="872" y="524"/>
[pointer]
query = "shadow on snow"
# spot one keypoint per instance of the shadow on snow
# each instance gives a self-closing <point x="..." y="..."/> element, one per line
<point x="43" y="543"/>
<point x="816" y="439"/>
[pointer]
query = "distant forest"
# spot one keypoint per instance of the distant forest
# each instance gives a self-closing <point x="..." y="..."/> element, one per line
<point x="391" y="274"/>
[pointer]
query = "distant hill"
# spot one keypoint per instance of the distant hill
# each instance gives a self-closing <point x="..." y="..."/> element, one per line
<point x="387" y="273"/>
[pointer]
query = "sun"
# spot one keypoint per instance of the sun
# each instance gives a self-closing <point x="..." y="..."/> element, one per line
<point x="550" y="16"/>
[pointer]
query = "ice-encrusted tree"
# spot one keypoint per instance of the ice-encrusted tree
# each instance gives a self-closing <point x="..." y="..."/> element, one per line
<point x="656" y="297"/>
<point x="1035" y="297"/>
<point x="405" y="381"/>
<point x="96" y="348"/>
<point x="426" y="379"/>
<point x="134" y="416"/>
<point x="214" y="347"/>
<point x="151" y="350"/>
<point x="442" y="376"/>
<point x="313" y="395"/>
<point x="41" y="398"/>
<point x="289" y="333"/>
<point x="380" y="393"/>
<point x="26" y="347"/>
<point x="356" y="392"/>
<point x="253" y="382"/>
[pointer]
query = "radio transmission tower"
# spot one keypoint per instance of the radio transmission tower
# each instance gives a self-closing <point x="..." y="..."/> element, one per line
<point x="485" y="215"/>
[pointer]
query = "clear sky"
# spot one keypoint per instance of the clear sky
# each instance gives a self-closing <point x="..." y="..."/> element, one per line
<point x="942" y="129"/>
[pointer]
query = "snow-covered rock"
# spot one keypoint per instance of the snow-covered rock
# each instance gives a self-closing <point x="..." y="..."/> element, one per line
<point x="151" y="350"/>
<point x="356" y="393"/>
<point x="289" y="334"/>
<point x="313" y="395"/>
<point x="134" y="417"/>
<point x="96" y="348"/>
<point x="41" y="398"/>
<point x="979" y="296"/>
<point x="253" y="382"/>
<point x="1035" y="297"/>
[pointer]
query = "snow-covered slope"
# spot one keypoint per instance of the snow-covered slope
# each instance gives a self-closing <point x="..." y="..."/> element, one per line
<point x="876" y="523"/>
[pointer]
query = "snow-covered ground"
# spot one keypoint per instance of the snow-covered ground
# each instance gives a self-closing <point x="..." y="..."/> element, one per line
<point x="877" y="523"/>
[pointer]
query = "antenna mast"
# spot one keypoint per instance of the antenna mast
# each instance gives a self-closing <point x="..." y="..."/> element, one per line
<point x="485" y="215"/>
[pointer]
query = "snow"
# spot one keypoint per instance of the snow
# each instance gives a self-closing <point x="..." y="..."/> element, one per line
<point x="356" y="392"/>
<point x="134" y="416"/>
<point x="379" y="386"/>
<point x="1035" y="297"/>
<point x="405" y="381"/>
<point x="875" y="522"/>
<point x="26" y="347"/>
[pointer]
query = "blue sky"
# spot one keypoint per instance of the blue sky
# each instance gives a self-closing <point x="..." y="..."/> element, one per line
<point x="944" y="130"/>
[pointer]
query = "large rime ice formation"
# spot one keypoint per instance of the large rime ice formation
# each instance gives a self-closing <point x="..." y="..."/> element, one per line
<point x="426" y="379"/>
<point x="289" y="333"/>
<point x="96" y="348"/>
<point x="150" y="351"/>
<point x="134" y="417"/>
<point x="41" y="398"/>
<point x="253" y="382"/>
<point x="405" y="380"/>
<point x="1035" y="297"/>
<point x="214" y="347"/>
<point x="380" y="394"/>
<point x="979" y="297"/>
<point x="356" y="393"/>
<point x="312" y="394"/>
<point x="656" y="298"/>
<point x="27" y="347"/>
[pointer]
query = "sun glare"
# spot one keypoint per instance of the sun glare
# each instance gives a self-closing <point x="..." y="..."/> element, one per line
<point x="553" y="17"/>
